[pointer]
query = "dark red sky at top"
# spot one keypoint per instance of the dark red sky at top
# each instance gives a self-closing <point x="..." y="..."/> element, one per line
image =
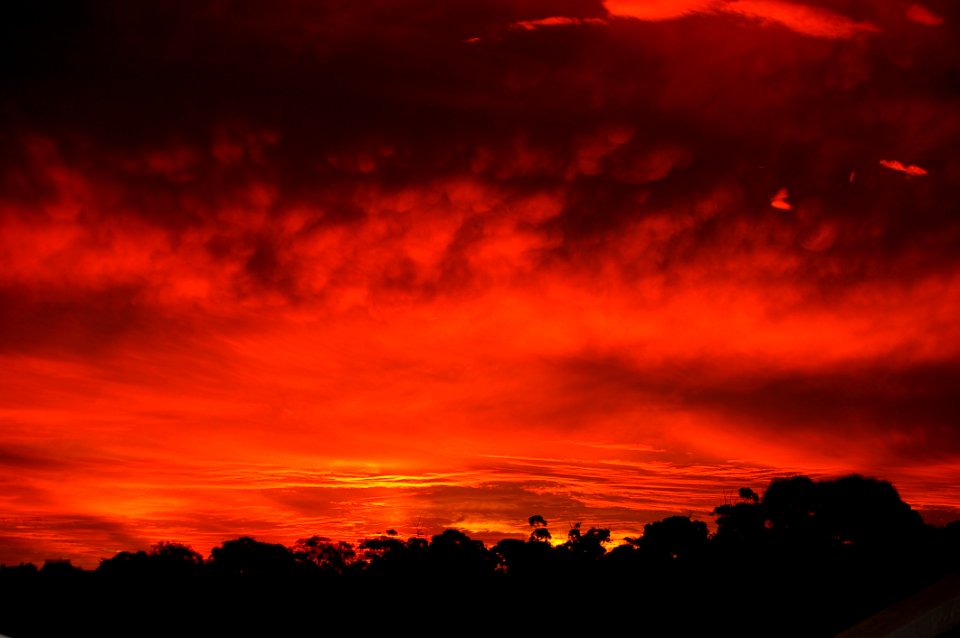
<point x="330" y="267"/>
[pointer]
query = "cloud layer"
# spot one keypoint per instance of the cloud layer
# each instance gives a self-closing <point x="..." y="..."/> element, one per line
<point x="319" y="268"/>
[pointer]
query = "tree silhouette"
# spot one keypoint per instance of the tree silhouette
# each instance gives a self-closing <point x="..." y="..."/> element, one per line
<point x="741" y="525"/>
<point x="249" y="558"/>
<point x="823" y="554"/>
<point x="526" y="561"/>
<point x="169" y="552"/>
<point x="324" y="553"/>
<point x="790" y="505"/>
<point x="390" y="557"/>
<point x="509" y="555"/>
<point x="860" y="511"/>
<point x="455" y="554"/>
<point x="540" y="533"/>
<point x="673" y="538"/>
<point x="126" y="564"/>
<point x="587" y="545"/>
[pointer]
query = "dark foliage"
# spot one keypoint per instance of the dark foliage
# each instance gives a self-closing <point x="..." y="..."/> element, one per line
<point x="807" y="558"/>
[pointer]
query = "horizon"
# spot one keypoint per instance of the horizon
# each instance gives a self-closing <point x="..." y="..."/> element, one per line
<point x="277" y="270"/>
<point x="487" y="537"/>
<point x="557" y="539"/>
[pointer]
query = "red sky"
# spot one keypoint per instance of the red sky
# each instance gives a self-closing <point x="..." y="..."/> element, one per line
<point x="298" y="268"/>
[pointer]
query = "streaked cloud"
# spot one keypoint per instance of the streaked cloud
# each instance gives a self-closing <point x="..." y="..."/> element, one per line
<point x="799" y="17"/>
<point x="909" y="169"/>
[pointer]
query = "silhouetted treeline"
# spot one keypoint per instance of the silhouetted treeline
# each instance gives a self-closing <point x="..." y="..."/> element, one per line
<point x="808" y="558"/>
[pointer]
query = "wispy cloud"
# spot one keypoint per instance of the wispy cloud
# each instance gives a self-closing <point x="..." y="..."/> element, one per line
<point x="799" y="17"/>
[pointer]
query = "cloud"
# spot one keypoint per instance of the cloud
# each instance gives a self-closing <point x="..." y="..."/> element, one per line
<point x="922" y="15"/>
<point x="909" y="169"/>
<point x="345" y="260"/>
<point x="801" y="18"/>
<point x="779" y="200"/>
<point x="82" y="538"/>
<point x="557" y="21"/>
<point x="659" y="10"/>
<point x="804" y="19"/>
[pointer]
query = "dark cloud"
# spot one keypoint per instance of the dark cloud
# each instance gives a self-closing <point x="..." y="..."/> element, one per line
<point x="880" y="415"/>
<point x="85" y="539"/>
<point x="349" y="97"/>
<point x="28" y="458"/>
<point x="878" y="412"/>
<point x="84" y="321"/>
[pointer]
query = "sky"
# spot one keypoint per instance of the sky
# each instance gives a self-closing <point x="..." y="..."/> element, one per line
<point x="332" y="267"/>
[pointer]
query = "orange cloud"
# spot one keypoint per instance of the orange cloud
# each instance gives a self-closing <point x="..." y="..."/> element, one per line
<point x="779" y="200"/>
<point x="909" y="169"/>
<point x="802" y="18"/>
<point x="811" y="21"/>
<point x="556" y="21"/>
<point x="658" y="9"/>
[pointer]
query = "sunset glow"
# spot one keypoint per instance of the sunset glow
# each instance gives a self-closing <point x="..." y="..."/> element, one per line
<point x="325" y="268"/>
